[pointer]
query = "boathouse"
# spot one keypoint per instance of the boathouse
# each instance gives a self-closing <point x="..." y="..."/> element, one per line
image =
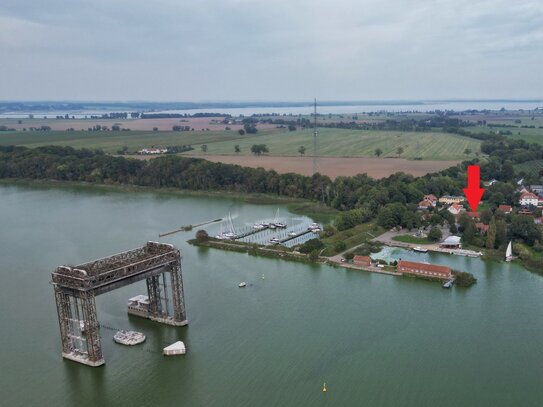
<point x="363" y="261"/>
<point x="452" y="242"/>
<point x="424" y="269"/>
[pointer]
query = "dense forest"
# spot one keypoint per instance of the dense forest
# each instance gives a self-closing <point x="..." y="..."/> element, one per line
<point x="344" y="193"/>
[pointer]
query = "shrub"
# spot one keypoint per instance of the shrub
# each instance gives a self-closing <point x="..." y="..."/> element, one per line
<point x="311" y="245"/>
<point x="464" y="279"/>
<point x="340" y="246"/>
<point x="202" y="236"/>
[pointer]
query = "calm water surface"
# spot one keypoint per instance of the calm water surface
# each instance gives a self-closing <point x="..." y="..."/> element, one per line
<point x="375" y="340"/>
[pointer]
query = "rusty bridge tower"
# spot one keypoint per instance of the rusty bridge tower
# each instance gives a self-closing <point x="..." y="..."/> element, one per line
<point x="77" y="286"/>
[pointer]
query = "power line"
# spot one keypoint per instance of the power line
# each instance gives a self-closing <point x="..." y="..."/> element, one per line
<point x="315" y="152"/>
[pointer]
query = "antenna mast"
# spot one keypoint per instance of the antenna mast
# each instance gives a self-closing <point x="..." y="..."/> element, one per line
<point x="315" y="138"/>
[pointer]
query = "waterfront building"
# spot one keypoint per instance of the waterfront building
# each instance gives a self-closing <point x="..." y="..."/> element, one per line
<point x="363" y="261"/>
<point x="424" y="269"/>
<point x="452" y="242"/>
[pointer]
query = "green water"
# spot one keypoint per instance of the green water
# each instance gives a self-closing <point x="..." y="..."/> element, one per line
<point x="375" y="340"/>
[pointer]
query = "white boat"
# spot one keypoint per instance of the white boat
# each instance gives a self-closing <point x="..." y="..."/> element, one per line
<point x="509" y="252"/>
<point x="242" y="284"/>
<point x="275" y="240"/>
<point x="448" y="284"/>
<point x="420" y="249"/>
<point x="276" y="222"/>
<point x="292" y="233"/>
<point x="177" y="348"/>
<point x="314" y="227"/>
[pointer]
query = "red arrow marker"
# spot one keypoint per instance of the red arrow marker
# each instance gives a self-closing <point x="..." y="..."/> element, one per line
<point x="474" y="192"/>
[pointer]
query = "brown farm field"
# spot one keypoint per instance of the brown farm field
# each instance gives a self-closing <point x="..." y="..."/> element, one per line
<point x="336" y="166"/>
<point x="197" y="123"/>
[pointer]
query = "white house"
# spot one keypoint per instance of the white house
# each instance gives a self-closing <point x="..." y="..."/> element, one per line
<point x="527" y="199"/>
<point x="456" y="209"/>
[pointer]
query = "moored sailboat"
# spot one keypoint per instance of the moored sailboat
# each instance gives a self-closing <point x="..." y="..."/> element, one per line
<point x="509" y="252"/>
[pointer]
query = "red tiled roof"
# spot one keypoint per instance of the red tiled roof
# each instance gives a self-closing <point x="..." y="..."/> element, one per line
<point x="474" y="214"/>
<point x="528" y="195"/>
<point x="411" y="266"/>
<point x="505" y="208"/>
<point x="430" y="197"/>
<point x="425" y="204"/>
<point x="362" y="259"/>
<point x="482" y="227"/>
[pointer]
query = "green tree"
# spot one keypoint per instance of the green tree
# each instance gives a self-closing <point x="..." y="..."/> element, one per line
<point x="468" y="233"/>
<point x="491" y="235"/>
<point x="467" y="151"/>
<point x="435" y="234"/>
<point x="202" y="236"/>
<point x="291" y="127"/>
<point x="203" y="147"/>
<point x="501" y="233"/>
<point x="399" y="151"/>
<point x="486" y="216"/>
<point x="250" y="128"/>
<point x="311" y="245"/>
<point x="523" y="227"/>
<point x="236" y="148"/>
<point x="259" y="149"/>
<point x="329" y="230"/>
<point x="301" y="150"/>
<point x="340" y="246"/>
<point x="241" y="132"/>
<point x="391" y="215"/>
<point x="378" y="152"/>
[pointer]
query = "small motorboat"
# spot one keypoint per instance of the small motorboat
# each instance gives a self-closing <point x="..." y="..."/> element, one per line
<point x="420" y="249"/>
<point x="275" y="240"/>
<point x="292" y="233"/>
<point x="448" y="284"/>
<point x="242" y="284"/>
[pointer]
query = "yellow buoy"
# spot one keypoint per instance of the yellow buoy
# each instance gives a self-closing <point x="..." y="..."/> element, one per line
<point x="324" y="388"/>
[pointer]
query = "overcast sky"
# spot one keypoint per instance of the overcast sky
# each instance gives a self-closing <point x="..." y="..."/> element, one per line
<point x="195" y="50"/>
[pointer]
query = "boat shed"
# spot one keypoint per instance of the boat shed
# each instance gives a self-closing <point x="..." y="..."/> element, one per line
<point x="452" y="242"/>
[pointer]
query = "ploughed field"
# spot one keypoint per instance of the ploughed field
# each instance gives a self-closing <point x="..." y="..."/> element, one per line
<point x="336" y="166"/>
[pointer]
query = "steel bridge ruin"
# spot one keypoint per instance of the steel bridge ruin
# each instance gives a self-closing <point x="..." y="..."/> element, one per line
<point x="77" y="286"/>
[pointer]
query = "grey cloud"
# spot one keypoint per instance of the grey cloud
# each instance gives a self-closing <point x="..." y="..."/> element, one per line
<point x="243" y="49"/>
